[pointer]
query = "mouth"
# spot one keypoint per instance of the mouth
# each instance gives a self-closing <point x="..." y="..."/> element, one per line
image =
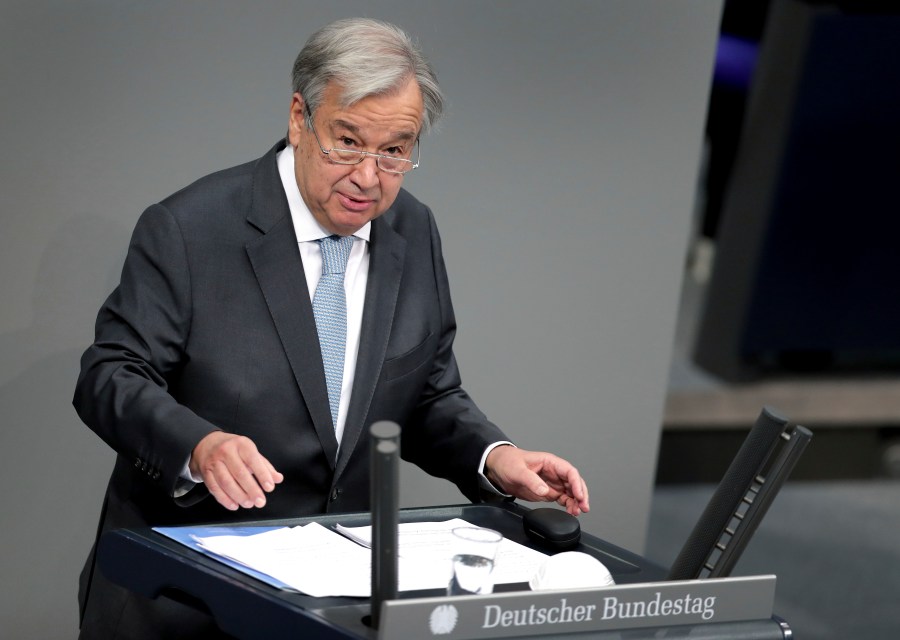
<point x="355" y="203"/>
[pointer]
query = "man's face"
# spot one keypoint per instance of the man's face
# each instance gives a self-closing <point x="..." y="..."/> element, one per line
<point x="343" y="198"/>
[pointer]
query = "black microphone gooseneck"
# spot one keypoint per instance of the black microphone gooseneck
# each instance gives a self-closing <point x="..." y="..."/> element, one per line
<point x="385" y="497"/>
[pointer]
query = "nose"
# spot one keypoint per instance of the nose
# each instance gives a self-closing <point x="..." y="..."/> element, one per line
<point x="365" y="174"/>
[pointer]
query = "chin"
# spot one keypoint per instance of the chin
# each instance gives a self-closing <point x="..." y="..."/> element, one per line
<point x="347" y="227"/>
<point x="349" y="223"/>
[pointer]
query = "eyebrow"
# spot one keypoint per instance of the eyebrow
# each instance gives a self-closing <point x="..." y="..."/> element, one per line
<point x="403" y="135"/>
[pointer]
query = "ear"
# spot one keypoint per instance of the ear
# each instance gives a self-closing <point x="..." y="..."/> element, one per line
<point x="296" y="123"/>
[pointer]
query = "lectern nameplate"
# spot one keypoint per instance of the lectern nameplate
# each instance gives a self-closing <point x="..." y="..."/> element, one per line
<point x="525" y="613"/>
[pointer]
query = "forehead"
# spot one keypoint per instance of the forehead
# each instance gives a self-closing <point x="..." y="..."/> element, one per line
<point x="398" y="112"/>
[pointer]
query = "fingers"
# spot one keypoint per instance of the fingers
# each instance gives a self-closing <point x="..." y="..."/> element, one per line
<point x="538" y="476"/>
<point x="585" y="503"/>
<point x="556" y="480"/>
<point x="571" y="501"/>
<point x="576" y="494"/>
<point x="234" y="471"/>
<point x="572" y="491"/>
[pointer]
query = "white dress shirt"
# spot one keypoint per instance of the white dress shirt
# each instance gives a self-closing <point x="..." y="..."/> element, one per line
<point x="356" y="274"/>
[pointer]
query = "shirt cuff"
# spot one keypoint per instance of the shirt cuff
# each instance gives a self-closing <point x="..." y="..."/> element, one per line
<point x="483" y="481"/>
<point x="186" y="480"/>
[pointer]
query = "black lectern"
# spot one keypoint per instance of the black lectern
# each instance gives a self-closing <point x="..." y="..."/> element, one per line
<point x="154" y="565"/>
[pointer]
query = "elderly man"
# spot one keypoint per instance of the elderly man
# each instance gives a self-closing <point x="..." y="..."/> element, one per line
<point x="269" y="313"/>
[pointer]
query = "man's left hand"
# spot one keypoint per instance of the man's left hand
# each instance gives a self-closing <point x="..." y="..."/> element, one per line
<point x="537" y="476"/>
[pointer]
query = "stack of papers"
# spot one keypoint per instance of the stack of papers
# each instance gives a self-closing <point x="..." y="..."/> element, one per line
<point x="323" y="562"/>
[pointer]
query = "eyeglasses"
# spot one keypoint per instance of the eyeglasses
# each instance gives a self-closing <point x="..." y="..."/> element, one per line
<point x="391" y="164"/>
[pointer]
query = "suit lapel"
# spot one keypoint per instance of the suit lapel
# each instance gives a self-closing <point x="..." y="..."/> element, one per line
<point x="279" y="270"/>
<point x="386" y="255"/>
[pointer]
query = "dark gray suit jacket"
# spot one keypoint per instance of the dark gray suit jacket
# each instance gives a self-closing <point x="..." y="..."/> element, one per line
<point x="212" y="328"/>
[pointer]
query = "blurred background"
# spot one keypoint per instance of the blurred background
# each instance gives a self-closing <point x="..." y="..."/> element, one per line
<point x="791" y="298"/>
<point x="658" y="217"/>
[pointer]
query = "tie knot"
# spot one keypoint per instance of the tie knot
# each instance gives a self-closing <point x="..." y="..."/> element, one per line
<point x="335" y="251"/>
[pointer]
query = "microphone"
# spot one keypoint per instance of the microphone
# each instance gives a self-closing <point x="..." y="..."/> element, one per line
<point x="384" y="455"/>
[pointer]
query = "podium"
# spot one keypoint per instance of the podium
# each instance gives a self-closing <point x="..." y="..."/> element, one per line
<point x="154" y="565"/>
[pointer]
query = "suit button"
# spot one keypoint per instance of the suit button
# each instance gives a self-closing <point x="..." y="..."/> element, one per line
<point x="156" y="474"/>
<point x="335" y="494"/>
<point x="137" y="463"/>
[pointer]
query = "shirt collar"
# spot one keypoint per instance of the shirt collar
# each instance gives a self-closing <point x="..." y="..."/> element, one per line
<point x="306" y="226"/>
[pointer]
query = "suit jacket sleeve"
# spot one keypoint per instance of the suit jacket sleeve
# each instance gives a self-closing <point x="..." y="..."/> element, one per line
<point x="122" y="391"/>
<point x="448" y="433"/>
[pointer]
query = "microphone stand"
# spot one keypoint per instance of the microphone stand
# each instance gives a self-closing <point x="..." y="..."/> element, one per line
<point x="385" y="496"/>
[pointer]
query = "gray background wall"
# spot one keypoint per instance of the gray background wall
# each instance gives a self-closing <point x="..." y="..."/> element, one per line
<point x="562" y="178"/>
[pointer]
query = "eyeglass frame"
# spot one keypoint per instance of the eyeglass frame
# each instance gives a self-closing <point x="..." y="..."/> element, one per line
<point x="362" y="154"/>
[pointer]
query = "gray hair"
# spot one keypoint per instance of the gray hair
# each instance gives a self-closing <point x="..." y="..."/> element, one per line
<point x="366" y="58"/>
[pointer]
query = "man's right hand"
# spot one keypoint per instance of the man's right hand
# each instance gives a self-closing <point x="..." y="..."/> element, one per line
<point x="234" y="471"/>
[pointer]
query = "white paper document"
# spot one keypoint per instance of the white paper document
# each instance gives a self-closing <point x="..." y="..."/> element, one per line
<point x="310" y="559"/>
<point x="321" y="562"/>
<point x="429" y="542"/>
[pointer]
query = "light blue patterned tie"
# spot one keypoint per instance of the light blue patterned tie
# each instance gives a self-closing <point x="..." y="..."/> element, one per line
<point x="330" y="311"/>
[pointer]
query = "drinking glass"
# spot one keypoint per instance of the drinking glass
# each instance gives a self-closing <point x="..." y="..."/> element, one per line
<point x="474" y="552"/>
